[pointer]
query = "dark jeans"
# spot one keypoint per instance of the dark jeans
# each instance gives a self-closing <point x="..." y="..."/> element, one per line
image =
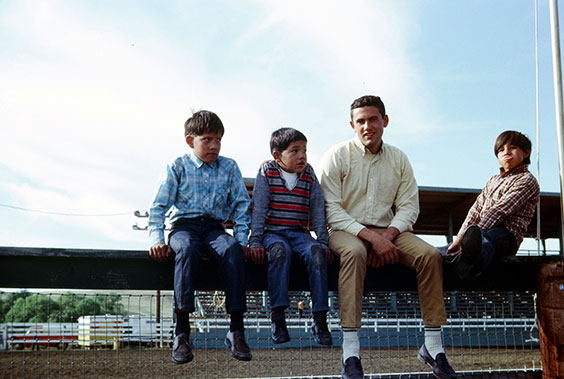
<point x="284" y="245"/>
<point x="195" y="239"/>
<point x="497" y="242"/>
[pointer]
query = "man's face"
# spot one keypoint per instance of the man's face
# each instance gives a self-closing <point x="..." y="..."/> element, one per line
<point x="368" y="124"/>
<point x="206" y="147"/>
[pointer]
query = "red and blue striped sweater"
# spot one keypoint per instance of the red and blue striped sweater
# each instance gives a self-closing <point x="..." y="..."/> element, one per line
<point x="276" y="208"/>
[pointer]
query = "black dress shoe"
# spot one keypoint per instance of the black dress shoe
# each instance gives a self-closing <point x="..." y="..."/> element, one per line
<point x="352" y="369"/>
<point x="441" y="367"/>
<point x="279" y="331"/>
<point x="182" y="349"/>
<point x="239" y="349"/>
<point x="470" y="250"/>
<point x="321" y="333"/>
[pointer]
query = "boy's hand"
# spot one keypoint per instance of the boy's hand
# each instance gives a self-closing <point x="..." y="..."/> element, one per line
<point x="330" y="256"/>
<point x="257" y="254"/>
<point x="246" y="252"/>
<point x="160" y="252"/>
<point x="454" y="248"/>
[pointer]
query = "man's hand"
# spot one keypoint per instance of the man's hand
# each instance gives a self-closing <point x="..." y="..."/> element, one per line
<point x="257" y="254"/>
<point x="391" y="233"/>
<point x="160" y="251"/>
<point x="382" y="251"/>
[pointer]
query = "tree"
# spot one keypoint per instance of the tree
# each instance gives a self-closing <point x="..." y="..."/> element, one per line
<point x="9" y="301"/>
<point x="25" y="307"/>
<point x="75" y="305"/>
<point x="33" y="308"/>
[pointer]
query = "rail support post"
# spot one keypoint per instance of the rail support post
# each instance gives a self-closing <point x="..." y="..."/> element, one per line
<point x="550" y="309"/>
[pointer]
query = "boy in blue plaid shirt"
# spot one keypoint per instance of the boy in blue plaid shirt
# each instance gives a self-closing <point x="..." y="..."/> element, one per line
<point x="204" y="189"/>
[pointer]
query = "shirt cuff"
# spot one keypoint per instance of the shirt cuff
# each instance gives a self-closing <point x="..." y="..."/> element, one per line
<point x="255" y="242"/>
<point x="242" y="238"/>
<point x="355" y="228"/>
<point x="401" y="226"/>
<point x="156" y="236"/>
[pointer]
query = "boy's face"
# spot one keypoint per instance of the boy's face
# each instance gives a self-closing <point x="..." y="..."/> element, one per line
<point x="294" y="158"/>
<point x="510" y="156"/>
<point x="368" y="124"/>
<point x="206" y="147"/>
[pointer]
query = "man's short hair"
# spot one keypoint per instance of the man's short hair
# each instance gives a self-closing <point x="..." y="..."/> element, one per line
<point x="203" y="122"/>
<point x="369" y="101"/>
<point x="514" y="138"/>
<point x="281" y="138"/>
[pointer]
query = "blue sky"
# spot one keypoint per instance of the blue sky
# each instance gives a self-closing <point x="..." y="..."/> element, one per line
<point x="95" y="93"/>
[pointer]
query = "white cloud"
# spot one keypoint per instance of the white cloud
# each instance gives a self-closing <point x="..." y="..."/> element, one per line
<point x="93" y="103"/>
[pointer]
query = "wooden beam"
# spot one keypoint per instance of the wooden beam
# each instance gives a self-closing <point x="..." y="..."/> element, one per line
<point x="22" y="267"/>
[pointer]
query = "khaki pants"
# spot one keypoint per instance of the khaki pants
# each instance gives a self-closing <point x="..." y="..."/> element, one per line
<point x="413" y="252"/>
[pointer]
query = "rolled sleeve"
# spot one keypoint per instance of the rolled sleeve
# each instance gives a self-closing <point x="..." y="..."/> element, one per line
<point x="163" y="200"/>
<point x="318" y="214"/>
<point x="239" y="197"/>
<point x="260" y="208"/>
<point x="330" y="181"/>
<point x="407" y="200"/>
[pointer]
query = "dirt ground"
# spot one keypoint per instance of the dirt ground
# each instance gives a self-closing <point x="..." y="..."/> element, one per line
<point x="215" y="363"/>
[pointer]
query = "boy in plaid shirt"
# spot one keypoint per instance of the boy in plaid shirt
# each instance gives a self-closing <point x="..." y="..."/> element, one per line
<point x="204" y="189"/>
<point x="496" y="223"/>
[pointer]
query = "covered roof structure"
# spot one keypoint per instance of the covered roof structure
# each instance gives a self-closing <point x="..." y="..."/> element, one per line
<point x="443" y="210"/>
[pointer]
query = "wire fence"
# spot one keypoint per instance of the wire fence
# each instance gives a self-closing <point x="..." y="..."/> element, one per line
<point x="130" y="335"/>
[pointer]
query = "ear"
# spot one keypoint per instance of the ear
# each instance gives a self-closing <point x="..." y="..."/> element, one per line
<point x="276" y="155"/>
<point x="386" y="120"/>
<point x="352" y="125"/>
<point x="190" y="141"/>
<point x="526" y="153"/>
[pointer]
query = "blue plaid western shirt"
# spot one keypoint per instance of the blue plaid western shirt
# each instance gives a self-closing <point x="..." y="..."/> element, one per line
<point x="195" y="189"/>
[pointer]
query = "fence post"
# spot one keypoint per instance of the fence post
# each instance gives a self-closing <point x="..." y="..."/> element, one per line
<point x="550" y="309"/>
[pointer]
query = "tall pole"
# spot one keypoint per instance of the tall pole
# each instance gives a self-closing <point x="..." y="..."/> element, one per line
<point x="557" y="75"/>
<point x="537" y="122"/>
<point x="550" y="303"/>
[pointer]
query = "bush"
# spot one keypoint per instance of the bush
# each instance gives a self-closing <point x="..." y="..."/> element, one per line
<point x="26" y="307"/>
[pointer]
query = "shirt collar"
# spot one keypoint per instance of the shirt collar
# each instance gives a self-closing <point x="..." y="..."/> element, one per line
<point x="516" y="170"/>
<point x="199" y="163"/>
<point x="364" y="150"/>
<point x="290" y="173"/>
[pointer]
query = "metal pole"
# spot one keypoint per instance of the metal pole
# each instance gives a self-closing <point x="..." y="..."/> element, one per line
<point x="158" y="319"/>
<point x="557" y="75"/>
<point x="537" y="121"/>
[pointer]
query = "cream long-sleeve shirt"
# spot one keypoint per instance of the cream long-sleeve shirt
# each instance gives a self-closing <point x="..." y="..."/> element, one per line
<point x="364" y="189"/>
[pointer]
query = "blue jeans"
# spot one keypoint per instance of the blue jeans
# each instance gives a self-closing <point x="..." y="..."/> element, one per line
<point x="496" y="243"/>
<point x="284" y="245"/>
<point x="195" y="239"/>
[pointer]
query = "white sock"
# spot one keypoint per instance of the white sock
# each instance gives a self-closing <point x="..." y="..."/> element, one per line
<point x="351" y="344"/>
<point x="433" y="341"/>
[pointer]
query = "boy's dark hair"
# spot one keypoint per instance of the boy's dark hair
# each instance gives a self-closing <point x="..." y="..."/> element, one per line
<point x="282" y="137"/>
<point x="514" y="138"/>
<point x="369" y="101"/>
<point x="203" y="122"/>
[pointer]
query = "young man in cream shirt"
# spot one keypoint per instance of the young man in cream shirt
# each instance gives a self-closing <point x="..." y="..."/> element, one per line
<point x="372" y="203"/>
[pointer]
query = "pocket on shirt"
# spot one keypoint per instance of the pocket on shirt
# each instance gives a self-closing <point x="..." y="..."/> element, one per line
<point x="182" y="199"/>
<point x="220" y="198"/>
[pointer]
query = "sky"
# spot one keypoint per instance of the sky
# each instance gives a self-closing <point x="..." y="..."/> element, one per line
<point x="94" y="95"/>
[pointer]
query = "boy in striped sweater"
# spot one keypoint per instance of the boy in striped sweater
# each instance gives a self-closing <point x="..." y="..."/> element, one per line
<point x="287" y="201"/>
